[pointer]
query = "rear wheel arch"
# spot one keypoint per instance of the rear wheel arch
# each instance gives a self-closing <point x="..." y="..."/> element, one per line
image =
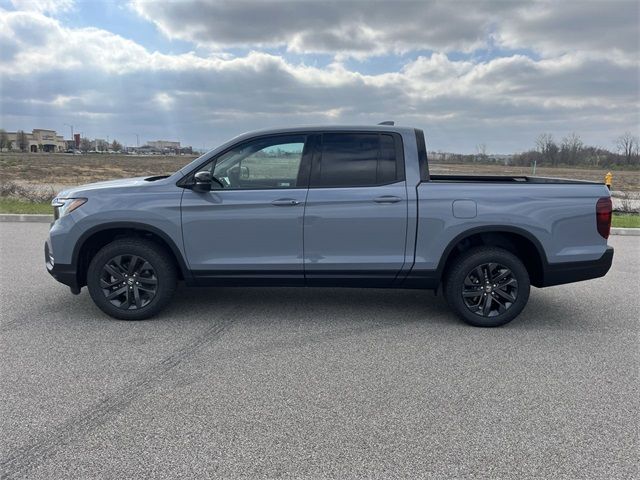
<point x="515" y="240"/>
<point x="94" y="239"/>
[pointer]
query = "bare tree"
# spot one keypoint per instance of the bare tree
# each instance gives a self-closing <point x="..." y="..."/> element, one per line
<point x="21" y="140"/>
<point x="4" y="140"/>
<point x="115" y="146"/>
<point x="85" y="145"/>
<point x="628" y="146"/>
<point x="570" y="149"/>
<point x="546" y="145"/>
<point x="481" y="150"/>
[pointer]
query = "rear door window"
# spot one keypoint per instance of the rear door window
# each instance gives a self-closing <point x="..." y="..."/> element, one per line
<point x="357" y="160"/>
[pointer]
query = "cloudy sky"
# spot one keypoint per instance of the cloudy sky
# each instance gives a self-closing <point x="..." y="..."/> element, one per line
<point x="491" y="72"/>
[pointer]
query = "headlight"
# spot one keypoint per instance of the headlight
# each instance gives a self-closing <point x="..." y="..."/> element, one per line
<point x="64" y="206"/>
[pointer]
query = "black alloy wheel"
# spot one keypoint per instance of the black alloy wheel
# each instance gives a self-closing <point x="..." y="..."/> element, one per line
<point x="132" y="278"/>
<point x="490" y="289"/>
<point x="487" y="286"/>
<point x="129" y="282"/>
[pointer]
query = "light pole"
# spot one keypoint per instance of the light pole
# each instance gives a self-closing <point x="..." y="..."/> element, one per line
<point x="72" y="139"/>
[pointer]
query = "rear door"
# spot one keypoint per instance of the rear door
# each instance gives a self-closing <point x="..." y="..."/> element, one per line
<point x="355" y="221"/>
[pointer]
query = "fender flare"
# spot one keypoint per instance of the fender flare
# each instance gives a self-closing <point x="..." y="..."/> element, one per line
<point x="143" y="227"/>
<point x="491" y="229"/>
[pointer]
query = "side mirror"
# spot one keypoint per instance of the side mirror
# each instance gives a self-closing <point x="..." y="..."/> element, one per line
<point x="202" y="181"/>
<point x="244" y="172"/>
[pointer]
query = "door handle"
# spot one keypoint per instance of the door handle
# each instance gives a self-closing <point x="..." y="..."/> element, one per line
<point x="387" y="199"/>
<point x="285" y="202"/>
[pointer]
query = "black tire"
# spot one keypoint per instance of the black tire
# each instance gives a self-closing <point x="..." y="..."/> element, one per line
<point x="143" y="293"/>
<point x="472" y="294"/>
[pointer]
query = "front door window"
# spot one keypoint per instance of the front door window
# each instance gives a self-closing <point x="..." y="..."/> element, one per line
<point x="261" y="164"/>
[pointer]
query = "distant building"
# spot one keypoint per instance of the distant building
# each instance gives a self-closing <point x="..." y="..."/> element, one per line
<point x="164" y="145"/>
<point x="39" y="140"/>
<point x="99" y="144"/>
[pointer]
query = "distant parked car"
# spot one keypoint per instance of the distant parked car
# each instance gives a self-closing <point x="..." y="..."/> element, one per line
<point x="329" y="206"/>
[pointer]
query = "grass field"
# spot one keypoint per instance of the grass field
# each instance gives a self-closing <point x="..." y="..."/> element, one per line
<point x="60" y="170"/>
<point x="47" y="173"/>
<point x="626" y="220"/>
<point x="12" y="205"/>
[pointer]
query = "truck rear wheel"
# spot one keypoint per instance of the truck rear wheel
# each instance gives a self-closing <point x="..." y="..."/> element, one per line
<point x="487" y="286"/>
<point x="131" y="279"/>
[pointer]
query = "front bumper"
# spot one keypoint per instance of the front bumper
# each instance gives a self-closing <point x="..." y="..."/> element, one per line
<point x="569" y="272"/>
<point x="66" y="274"/>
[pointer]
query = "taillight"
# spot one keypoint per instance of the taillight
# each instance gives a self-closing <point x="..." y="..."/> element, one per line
<point x="603" y="216"/>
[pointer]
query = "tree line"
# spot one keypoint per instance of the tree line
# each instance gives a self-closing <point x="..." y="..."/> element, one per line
<point x="569" y="151"/>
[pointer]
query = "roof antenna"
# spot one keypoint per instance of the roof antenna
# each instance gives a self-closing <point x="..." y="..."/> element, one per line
<point x="387" y="122"/>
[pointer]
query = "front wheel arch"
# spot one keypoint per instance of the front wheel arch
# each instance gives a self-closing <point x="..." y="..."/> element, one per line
<point x="94" y="239"/>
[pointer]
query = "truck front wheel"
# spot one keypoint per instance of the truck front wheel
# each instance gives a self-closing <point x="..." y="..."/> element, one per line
<point x="487" y="286"/>
<point x="131" y="279"/>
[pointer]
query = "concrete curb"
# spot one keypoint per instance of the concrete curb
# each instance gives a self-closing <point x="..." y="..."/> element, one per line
<point x="26" y="217"/>
<point x="40" y="218"/>
<point x="634" y="232"/>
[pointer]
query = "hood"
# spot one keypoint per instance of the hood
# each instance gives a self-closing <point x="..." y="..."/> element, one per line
<point x="111" y="184"/>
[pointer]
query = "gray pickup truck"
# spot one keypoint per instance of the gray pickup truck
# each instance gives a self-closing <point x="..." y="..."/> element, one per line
<point x="328" y="206"/>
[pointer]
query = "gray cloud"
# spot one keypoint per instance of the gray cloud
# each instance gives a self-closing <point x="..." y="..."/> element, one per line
<point x="107" y="85"/>
<point x="374" y="27"/>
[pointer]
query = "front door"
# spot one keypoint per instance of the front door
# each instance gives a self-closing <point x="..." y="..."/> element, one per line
<point x="355" y="223"/>
<point x="248" y="228"/>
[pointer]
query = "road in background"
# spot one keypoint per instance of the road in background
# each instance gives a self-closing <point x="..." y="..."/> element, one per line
<point x="316" y="383"/>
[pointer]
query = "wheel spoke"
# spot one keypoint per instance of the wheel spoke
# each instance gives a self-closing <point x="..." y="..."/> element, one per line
<point x="118" y="264"/>
<point x="136" y="294"/>
<point x="511" y="282"/>
<point x="127" y="301"/>
<point x="505" y="295"/>
<point x="113" y="272"/>
<point x="148" y="281"/>
<point x="486" y="307"/>
<point x="468" y="282"/>
<point x="132" y="265"/>
<point x="501" y="276"/>
<point x="471" y="294"/>
<point x="501" y="306"/>
<point x="490" y="268"/>
<point x="116" y="293"/>
<point x="145" y="266"/>
<point x="105" y="284"/>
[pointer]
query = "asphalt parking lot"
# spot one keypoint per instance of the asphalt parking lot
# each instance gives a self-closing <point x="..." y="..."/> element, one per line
<point x="316" y="383"/>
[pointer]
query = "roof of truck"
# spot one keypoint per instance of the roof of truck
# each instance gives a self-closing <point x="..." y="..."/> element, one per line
<point x="299" y="129"/>
<point x="316" y="128"/>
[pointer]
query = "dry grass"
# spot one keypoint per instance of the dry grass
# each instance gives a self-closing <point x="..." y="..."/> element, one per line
<point x="60" y="170"/>
<point x="624" y="180"/>
<point x="26" y="192"/>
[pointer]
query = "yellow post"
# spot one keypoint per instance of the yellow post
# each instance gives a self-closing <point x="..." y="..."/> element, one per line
<point x="607" y="180"/>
